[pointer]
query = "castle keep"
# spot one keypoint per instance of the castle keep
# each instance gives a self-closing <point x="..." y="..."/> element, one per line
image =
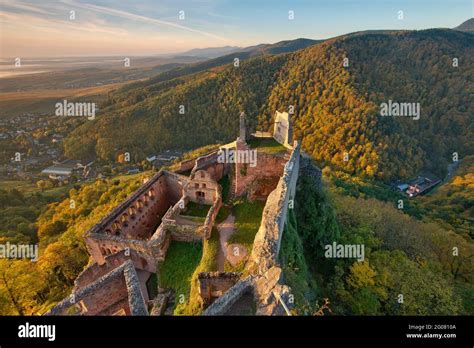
<point x="127" y="244"/>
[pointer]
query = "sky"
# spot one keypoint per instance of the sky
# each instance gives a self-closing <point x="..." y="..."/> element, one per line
<point x="48" y="28"/>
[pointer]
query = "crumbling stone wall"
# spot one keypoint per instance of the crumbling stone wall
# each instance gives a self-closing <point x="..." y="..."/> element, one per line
<point x="212" y="214"/>
<point x="132" y="224"/>
<point x="268" y="238"/>
<point x="94" y="271"/>
<point x="186" y="165"/>
<point x="211" y="164"/>
<point x="183" y="232"/>
<point x="117" y="292"/>
<point x="283" y="129"/>
<point x="266" y="279"/>
<point x="182" y="228"/>
<point x="225" y="302"/>
<point x="201" y="188"/>
<point x="214" y="284"/>
<point x="147" y="251"/>
<point x="261" y="179"/>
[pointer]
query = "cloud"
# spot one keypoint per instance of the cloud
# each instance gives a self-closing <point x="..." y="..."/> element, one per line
<point x="21" y="21"/>
<point x="132" y="16"/>
<point x="23" y="6"/>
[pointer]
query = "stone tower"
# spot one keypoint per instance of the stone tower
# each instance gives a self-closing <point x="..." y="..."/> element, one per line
<point x="283" y="129"/>
<point x="242" y="127"/>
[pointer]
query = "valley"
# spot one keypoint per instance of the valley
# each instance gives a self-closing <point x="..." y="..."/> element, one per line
<point x="70" y="184"/>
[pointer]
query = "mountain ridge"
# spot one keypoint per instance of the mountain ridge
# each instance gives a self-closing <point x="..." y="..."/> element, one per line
<point x="335" y="107"/>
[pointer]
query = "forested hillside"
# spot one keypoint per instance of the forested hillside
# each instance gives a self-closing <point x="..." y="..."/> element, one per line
<point x="336" y="106"/>
<point x="147" y="119"/>
<point x="31" y="288"/>
<point x="403" y="256"/>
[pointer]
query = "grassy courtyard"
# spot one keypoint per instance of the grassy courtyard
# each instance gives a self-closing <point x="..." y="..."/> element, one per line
<point x="196" y="210"/>
<point x="207" y="263"/>
<point x="177" y="270"/>
<point x="266" y="145"/>
<point x="248" y="216"/>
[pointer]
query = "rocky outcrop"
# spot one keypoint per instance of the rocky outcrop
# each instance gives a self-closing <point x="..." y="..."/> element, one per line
<point x="270" y="292"/>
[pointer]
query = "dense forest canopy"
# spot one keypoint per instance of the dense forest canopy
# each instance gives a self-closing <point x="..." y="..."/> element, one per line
<point x="32" y="288"/>
<point x="336" y="88"/>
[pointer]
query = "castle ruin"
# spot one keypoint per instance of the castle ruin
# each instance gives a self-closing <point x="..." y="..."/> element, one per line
<point x="127" y="244"/>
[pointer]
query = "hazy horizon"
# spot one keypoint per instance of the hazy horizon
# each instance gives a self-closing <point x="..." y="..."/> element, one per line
<point x="101" y="28"/>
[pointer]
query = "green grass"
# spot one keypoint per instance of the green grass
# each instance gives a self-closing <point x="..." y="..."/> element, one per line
<point x="177" y="270"/>
<point x="199" y="219"/>
<point x="196" y="210"/>
<point x="239" y="268"/>
<point x="208" y="263"/>
<point x="248" y="216"/>
<point x="28" y="188"/>
<point x="266" y="145"/>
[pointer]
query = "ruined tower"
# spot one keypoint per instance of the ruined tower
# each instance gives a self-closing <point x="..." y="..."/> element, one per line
<point x="283" y="129"/>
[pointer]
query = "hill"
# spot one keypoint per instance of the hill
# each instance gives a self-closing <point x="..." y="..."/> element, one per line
<point x="211" y="52"/>
<point x="282" y="46"/>
<point x="336" y="107"/>
<point x="467" y="26"/>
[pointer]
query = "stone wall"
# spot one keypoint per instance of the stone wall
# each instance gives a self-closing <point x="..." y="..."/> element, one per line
<point x="212" y="214"/>
<point x="147" y="252"/>
<point x="283" y="129"/>
<point x="133" y="223"/>
<point x="183" y="228"/>
<point x="201" y="188"/>
<point x="186" y="165"/>
<point x="136" y="300"/>
<point x="266" y="280"/>
<point x="214" y="284"/>
<point x="95" y="271"/>
<point x="185" y="232"/>
<point x="258" y="181"/>
<point x="117" y="292"/>
<point x="267" y="241"/>
<point x="210" y="164"/>
<point x="225" y="302"/>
